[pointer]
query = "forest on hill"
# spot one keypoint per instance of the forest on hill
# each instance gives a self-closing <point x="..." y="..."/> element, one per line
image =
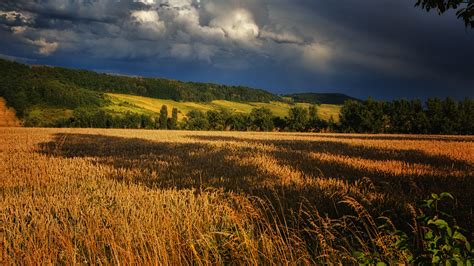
<point x="49" y="96"/>
<point x="320" y="98"/>
<point x="58" y="97"/>
<point x="15" y="74"/>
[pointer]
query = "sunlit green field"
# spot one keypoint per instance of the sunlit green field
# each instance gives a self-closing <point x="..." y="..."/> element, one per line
<point x="124" y="102"/>
<point x="46" y="115"/>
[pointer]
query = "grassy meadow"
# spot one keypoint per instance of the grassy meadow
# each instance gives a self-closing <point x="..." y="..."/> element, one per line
<point x="94" y="196"/>
<point x="120" y="104"/>
<point x="125" y="102"/>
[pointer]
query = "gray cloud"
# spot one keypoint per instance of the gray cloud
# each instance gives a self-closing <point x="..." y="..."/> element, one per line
<point x="179" y="28"/>
<point x="320" y="41"/>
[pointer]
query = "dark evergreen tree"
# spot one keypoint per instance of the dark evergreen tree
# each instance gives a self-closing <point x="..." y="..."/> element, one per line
<point x="434" y="112"/>
<point x="450" y="124"/>
<point x="420" y="122"/>
<point x="173" y="122"/>
<point x="164" y="117"/>
<point x="466" y="117"/>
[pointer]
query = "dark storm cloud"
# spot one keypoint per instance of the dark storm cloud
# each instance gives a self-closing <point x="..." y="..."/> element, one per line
<point x="381" y="48"/>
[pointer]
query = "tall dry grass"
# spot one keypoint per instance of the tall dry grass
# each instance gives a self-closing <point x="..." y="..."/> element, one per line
<point x="168" y="197"/>
<point x="7" y="115"/>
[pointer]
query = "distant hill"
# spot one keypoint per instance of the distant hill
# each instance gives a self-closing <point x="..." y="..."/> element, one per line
<point x="320" y="98"/>
<point x="44" y="95"/>
<point x="159" y="88"/>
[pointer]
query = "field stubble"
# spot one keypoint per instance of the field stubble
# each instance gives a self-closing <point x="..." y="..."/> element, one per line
<point x="174" y="197"/>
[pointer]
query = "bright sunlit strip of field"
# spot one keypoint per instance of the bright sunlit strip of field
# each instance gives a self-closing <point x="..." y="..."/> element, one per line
<point x="325" y="111"/>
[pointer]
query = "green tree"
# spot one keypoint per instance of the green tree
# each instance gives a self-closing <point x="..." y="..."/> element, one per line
<point x="420" y="122"/>
<point x="216" y="120"/>
<point x="331" y="125"/>
<point x="353" y="117"/>
<point x="131" y="120"/>
<point x="280" y="123"/>
<point x="226" y="116"/>
<point x="164" y="117"/>
<point x="20" y="102"/>
<point x="297" y="119"/>
<point x="450" y="117"/>
<point x="173" y="122"/>
<point x="196" y="120"/>
<point x="262" y="119"/>
<point x="146" y="122"/>
<point x="375" y="116"/>
<point x="464" y="8"/>
<point x="98" y="118"/>
<point x="466" y="117"/>
<point x="313" y="115"/>
<point x="315" y="123"/>
<point x="239" y="122"/>
<point x="435" y="115"/>
<point x="401" y="116"/>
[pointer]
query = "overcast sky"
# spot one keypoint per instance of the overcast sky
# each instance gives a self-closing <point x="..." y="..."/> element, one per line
<point x="381" y="48"/>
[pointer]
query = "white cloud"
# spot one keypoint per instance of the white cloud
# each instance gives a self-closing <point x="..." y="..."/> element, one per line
<point x="18" y="29"/>
<point x="145" y="16"/>
<point x="180" y="3"/>
<point x="149" y="22"/>
<point x="149" y="2"/>
<point x="239" y="25"/>
<point x="44" y="47"/>
<point x="15" y="16"/>
<point x="186" y="22"/>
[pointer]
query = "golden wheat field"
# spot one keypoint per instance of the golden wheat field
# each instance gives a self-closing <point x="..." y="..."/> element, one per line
<point x="7" y="116"/>
<point x="92" y="196"/>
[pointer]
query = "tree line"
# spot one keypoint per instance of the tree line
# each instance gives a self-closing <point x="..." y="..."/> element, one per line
<point x="259" y="119"/>
<point x="25" y="87"/>
<point x="435" y="116"/>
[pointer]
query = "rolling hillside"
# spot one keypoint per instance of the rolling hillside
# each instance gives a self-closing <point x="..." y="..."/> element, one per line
<point x="51" y="96"/>
<point x="25" y="76"/>
<point x="320" y="98"/>
<point x="122" y="103"/>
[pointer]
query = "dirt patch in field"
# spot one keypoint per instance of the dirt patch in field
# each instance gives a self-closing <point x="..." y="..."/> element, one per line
<point x="7" y="116"/>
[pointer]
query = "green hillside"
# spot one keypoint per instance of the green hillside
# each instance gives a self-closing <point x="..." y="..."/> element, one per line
<point x="122" y="103"/>
<point x="320" y="98"/>
<point x="53" y="96"/>
<point x="152" y="87"/>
